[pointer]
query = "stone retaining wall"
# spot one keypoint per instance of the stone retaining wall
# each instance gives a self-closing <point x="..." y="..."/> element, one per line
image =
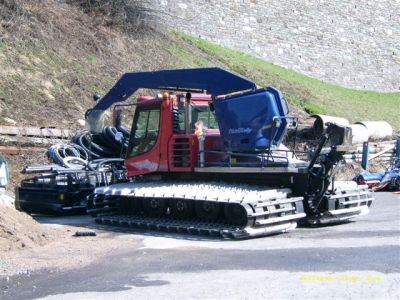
<point x="355" y="43"/>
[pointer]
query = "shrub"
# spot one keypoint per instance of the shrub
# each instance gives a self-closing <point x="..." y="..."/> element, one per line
<point x="10" y="11"/>
<point x="126" y="14"/>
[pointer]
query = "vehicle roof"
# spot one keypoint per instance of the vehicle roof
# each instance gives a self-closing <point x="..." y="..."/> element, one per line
<point x="196" y="98"/>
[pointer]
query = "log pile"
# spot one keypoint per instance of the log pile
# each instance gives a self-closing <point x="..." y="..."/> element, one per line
<point x="384" y="152"/>
<point x="16" y="140"/>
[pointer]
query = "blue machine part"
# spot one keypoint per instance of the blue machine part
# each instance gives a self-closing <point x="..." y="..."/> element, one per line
<point x="366" y="176"/>
<point x="215" y="81"/>
<point x="252" y="121"/>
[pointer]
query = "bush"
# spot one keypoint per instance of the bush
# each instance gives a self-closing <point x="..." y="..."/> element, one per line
<point x="126" y="14"/>
<point x="9" y="10"/>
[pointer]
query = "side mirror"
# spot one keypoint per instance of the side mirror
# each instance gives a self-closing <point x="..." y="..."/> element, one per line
<point x="119" y="136"/>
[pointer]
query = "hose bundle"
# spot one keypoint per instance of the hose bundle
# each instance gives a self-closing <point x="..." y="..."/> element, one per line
<point x="68" y="155"/>
<point x="87" y="146"/>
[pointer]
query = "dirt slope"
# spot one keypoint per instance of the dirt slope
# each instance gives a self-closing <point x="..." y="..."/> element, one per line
<point x="53" y="57"/>
<point x="18" y="230"/>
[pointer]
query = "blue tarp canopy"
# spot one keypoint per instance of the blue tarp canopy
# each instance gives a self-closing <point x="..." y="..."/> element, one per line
<point x="215" y="81"/>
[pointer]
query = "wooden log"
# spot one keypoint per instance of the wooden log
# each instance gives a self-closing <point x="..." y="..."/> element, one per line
<point x="381" y="152"/>
<point x="35" y="131"/>
<point x="17" y="150"/>
<point x="385" y="160"/>
<point x="28" y="141"/>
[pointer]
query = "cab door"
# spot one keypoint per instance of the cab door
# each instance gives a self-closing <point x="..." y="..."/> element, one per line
<point x="143" y="155"/>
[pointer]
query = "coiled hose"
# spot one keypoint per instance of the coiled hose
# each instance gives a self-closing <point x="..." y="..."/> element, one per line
<point x="87" y="146"/>
<point x="59" y="153"/>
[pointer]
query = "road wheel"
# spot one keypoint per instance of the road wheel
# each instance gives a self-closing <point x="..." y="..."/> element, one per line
<point x="235" y="214"/>
<point x="154" y="207"/>
<point x="181" y="209"/>
<point x="207" y="210"/>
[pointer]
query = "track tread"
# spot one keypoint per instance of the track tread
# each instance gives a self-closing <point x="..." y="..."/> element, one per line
<point x="262" y="203"/>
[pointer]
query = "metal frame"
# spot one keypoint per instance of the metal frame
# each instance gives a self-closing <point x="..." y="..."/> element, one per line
<point x="215" y="81"/>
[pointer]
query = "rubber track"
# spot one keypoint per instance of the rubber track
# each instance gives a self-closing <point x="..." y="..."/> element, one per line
<point x="170" y="225"/>
<point x="259" y="202"/>
<point x="353" y="201"/>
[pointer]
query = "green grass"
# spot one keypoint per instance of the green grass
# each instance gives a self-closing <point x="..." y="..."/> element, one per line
<point x="185" y="57"/>
<point x="312" y="95"/>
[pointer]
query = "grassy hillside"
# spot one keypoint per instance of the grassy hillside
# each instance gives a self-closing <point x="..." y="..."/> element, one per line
<point x="54" y="56"/>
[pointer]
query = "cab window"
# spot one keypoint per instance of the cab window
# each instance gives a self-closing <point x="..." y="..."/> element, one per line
<point x="204" y="114"/>
<point x="145" y="130"/>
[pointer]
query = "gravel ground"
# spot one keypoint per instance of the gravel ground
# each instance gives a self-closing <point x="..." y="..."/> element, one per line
<point x="62" y="251"/>
<point x="356" y="260"/>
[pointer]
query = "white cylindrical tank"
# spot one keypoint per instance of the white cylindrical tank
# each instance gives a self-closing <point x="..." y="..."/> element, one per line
<point x="377" y="130"/>
<point x="321" y="120"/>
<point x="359" y="133"/>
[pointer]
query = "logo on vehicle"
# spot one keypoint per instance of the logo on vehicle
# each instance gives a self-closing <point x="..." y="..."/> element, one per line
<point x="239" y="130"/>
<point x="146" y="165"/>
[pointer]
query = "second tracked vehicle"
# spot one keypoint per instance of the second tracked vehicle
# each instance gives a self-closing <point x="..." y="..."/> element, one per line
<point x="206" y="156"/>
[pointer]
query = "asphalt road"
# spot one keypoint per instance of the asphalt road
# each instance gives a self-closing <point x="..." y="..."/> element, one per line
<point x="358" y="260"/>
